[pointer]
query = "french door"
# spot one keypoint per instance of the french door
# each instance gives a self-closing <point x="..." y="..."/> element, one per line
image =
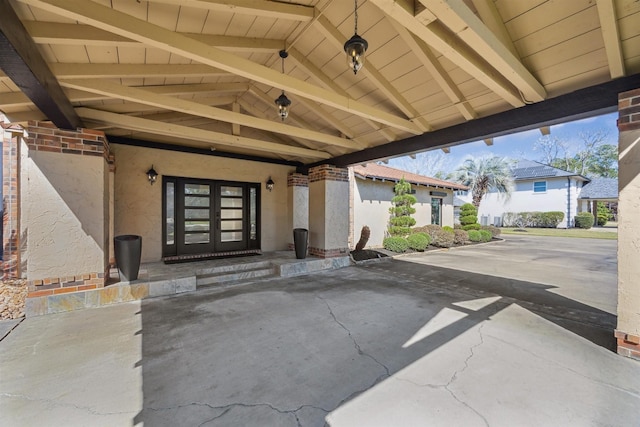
<point x="207" y="217"/>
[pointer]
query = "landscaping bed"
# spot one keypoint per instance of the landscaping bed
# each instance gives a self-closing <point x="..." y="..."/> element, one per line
<point x="13" y="294"/>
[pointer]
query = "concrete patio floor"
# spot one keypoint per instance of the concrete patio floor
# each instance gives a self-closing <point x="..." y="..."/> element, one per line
<point x="509" y="334"/>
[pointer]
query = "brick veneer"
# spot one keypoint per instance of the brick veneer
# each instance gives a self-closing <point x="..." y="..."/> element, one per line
<point x="44" y="136"/>
<point x="328" y="173"/>
<point x="628" y="345"/>
<point x="629" y="110"/>
<point x="297" y="180"/>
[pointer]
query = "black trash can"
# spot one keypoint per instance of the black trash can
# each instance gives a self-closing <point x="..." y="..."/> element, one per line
<point x="128" y="250"/>
<point x="300" y="239"/>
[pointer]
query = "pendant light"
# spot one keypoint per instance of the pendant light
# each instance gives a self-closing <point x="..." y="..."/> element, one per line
<point x="356" y="46"/>
<point x="283" y="102"/>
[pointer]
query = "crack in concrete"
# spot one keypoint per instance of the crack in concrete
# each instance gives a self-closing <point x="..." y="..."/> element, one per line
<point x="62" y="404"/>
<point x="227" y="408"/>
<point x="460" y="371"/>
<point x="355" y="343"/>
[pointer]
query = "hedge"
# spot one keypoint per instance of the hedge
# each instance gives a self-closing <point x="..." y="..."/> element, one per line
<point x="584" y="220"/>
<point x="418" y="241"/>
<point x="395" y="244"/>
<point x="533" y="219"/>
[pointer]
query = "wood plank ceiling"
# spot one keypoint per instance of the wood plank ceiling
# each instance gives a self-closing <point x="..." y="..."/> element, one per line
<point x="204" y="74"/>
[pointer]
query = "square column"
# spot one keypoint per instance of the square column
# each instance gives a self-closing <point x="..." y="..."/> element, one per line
<point x="328" y="211"/>
<point x="628" y="330"/>
<point x="298" y="200"/>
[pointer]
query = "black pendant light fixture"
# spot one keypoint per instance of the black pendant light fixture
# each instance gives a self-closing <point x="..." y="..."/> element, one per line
<point x="356" y="46"/>
<point x="283" y="102"/>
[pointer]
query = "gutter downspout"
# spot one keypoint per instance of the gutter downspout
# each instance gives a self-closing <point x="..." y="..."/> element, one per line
<point x="568" y="202"/>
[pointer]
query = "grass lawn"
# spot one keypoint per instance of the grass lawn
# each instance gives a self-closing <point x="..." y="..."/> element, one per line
<point x="560" y="232"/>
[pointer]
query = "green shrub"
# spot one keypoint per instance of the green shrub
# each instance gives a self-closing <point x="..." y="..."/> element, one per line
<point x="431" y="230"/>
<point x="495" y="231"/>
<point x="584" y="220"/>
<point x="460" y="237"/>
<point x="474" y="235"/>
<point x="447" y="228"/>
<point x="418" y="241"/>
<point x="443" y="238"/>
<point x="395" y="244"/>
<point x="469" y="227"/>
<point x="468" y="214"/>
<point x="485" y="235"/>
<point x="602" y="214"/>
<point x="533" y="219"/>
<point x="402" y="209"/>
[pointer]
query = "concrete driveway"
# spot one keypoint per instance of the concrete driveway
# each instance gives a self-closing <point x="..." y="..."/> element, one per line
<point x="508" y="334"/>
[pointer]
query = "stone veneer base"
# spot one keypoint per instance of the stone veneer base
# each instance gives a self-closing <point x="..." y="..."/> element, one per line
<point x="145" y="288"/>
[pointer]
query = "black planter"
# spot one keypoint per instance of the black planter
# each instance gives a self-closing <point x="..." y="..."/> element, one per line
<point x="128" y="249"/>
<point x="300" y="238"/>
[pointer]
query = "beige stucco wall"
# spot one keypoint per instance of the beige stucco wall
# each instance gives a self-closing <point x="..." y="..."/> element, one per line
<point x="372" y="200"/>
<point x="138" y="205"/>
<point x="629" y="233"/>
<point x="63" y="213"/>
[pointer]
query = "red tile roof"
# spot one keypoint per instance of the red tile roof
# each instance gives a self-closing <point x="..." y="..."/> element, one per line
<point x="376" y="171"/>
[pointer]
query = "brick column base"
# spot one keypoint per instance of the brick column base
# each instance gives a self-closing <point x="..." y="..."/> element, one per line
<point x="628" y="345"/>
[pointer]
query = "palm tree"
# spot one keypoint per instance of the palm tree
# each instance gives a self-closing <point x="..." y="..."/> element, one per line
<point x="483" y="174"/>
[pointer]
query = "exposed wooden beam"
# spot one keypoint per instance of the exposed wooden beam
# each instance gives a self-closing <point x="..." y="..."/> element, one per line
<point x="611" y="36"/>
<point x="58" y="33"/>
<point x="446" y="150"/>
<point x="588" y="102"/>
<point x="108" y="88"/>
<point x="266" y="9"/>
<point x="436" y="35"/>
<point x="22" y="62"/>
<point x="319" y="76"/>
<point x="153" y="35"/>
<point x="168" y="129"/>
<point x="437" y="71"/>
<point x="114" y="139"/>
<point x="545" y="130"/>
<point x="490" y="16"/>
<point x="235" y="127"/>
<point x="105" y="71"/>
<point x="488" y="141"/>
<point x="457" y="16"/>
<point x="335" y="36"/>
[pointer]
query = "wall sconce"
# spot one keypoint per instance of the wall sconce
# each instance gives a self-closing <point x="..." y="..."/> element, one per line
<point x="152" y="175"/>
<point x="270" y="184"/>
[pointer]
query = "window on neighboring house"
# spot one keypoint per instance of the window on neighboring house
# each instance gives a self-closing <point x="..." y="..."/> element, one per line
<point x="540" y="186"/>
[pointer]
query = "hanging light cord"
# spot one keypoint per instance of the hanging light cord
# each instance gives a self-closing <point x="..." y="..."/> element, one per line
<point x="355" y="13"/>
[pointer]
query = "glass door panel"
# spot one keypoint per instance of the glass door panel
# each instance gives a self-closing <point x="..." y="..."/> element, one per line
<point x="231" y="218"/>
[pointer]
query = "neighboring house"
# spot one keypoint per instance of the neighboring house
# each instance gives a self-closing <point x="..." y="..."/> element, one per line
<point x="372" y="191"/>
<point x="537" y="188"/>
<point x="604" y="190"/>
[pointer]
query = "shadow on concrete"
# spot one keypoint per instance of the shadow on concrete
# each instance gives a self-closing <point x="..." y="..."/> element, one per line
<point x="291" y="351"/>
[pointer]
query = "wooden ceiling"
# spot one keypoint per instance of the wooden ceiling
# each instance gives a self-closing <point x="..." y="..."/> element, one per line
<point x="204" y="74"/>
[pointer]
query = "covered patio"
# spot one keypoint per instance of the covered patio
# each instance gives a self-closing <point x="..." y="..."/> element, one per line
<point x="98" y="94"/>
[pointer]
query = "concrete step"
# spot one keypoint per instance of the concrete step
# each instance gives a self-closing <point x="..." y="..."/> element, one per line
<point x="235" y="276"/>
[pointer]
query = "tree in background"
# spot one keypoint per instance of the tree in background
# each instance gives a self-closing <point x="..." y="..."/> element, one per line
<point x="401" y="220"/>
<point x="592" y="157"/>
<point x="483" y="174"/>
<point x="602" y="214"/>
<point x="435" y="164"/>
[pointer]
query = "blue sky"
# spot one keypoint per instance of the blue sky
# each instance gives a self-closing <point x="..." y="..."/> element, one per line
<point x="514" y="146"/>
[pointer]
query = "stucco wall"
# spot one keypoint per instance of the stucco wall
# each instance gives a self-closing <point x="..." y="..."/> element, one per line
<point x="523" y="199"/>
<point x="64" y="214"/>
<point x="372" y="200"/>
<point x="138" y="205"/>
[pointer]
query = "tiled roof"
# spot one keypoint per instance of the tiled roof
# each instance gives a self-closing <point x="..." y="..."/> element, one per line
<point x="376" y="171"/>
<point x="600" y="188"/>
<point x="527" y="169"/>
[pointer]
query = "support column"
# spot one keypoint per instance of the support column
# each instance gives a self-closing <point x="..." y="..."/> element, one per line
<point x="298" y="199"/>
<point x="65" y="205"/>
<point x="628" y="330"/>
<point x="328" y="211"/>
